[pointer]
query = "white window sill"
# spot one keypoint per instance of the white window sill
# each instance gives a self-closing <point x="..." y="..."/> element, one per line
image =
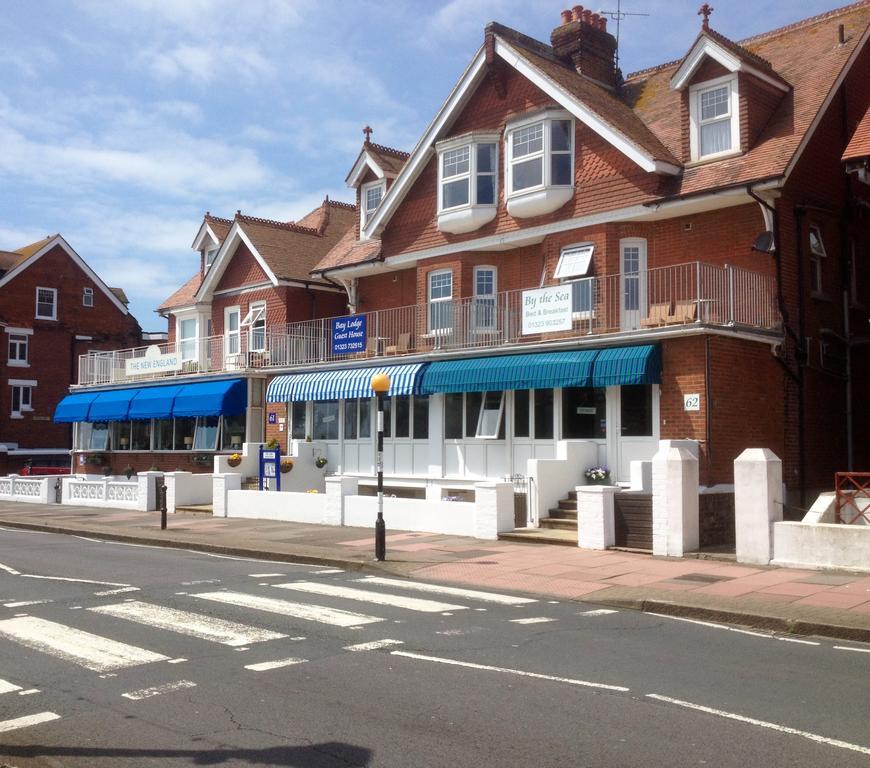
<point x="524" y="205"/>
<point x="461" y="220"/>
<point x="16" y="415"/>
<point x="18" y="364"/>
<point x="713" y="158"/>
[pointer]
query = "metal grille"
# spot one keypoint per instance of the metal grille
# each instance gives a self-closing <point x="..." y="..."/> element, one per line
<point x="853" y="497"/>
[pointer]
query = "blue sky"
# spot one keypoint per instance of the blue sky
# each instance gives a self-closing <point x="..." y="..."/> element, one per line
<point x="123" y="121"/>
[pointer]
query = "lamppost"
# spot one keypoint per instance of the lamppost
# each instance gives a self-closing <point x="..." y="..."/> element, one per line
<point x="380" y="385"/>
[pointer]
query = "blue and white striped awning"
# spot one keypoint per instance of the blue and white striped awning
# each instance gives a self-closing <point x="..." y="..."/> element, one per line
<point x="343" y="384"/>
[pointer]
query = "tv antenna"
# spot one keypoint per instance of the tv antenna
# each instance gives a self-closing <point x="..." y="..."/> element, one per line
<point x="617" y="16"/>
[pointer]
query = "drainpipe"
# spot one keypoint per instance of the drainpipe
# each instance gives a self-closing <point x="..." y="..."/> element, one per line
<point x="708" y="394"/>
<point x="849" y="428"/>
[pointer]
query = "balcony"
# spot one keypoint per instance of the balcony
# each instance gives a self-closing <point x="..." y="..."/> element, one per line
<point x="644" y="304"/>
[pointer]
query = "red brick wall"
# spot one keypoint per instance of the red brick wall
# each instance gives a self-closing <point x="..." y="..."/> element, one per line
<point x="273" y="431"/>
<point x="758" y="102"/>
<point x="142" y="461"/>
<point x="243" y="269"/>
<point x="53" y="351"/>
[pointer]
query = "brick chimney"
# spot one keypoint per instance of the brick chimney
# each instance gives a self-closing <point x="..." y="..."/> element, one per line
<point x="583" y="41"/>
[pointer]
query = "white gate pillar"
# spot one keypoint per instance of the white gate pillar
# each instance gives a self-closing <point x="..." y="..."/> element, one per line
<point x="757" y="503"/>
<point x="675" y="502"/>
<point x="596" y="527"/>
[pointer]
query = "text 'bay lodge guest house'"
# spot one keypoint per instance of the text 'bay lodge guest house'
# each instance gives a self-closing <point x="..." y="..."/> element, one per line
<point x="566" y="255"/>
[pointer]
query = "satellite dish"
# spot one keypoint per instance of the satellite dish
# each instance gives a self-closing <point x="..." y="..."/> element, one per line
<point x="764" y="243"/>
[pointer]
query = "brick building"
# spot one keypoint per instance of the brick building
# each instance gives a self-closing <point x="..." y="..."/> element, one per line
<point x="570" y="255"/>
<point x="53" y="308"/>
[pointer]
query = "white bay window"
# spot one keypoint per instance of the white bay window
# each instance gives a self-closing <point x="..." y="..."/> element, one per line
<point x="467" y="188"/>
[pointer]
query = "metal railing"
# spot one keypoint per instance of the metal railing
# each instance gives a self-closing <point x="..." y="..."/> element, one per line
<point x="852" y="497"/>
<point x="692" y="293"/>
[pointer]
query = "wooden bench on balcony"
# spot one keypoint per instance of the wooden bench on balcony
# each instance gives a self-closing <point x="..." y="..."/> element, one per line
<point x="658" y="315"/>
<point x="401" y="347"/>
<point x="684" y="312"/>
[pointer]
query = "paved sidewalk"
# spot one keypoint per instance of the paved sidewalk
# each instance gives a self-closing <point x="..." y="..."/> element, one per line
<point x="833" y="603"/>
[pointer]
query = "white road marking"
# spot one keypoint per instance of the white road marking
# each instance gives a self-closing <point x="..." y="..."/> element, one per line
<point x="521" y="673"/>
<point x="266" y="575"/>
<point x="373" y="645"/>
<point x="74" y="581"/>
<point x="119" y="591"/>
<point x="264" y="666"/>
<point x="450" y="632"/>
<point x="328" y="570"/>
<point x="796" y="640"/>
<point x="532" y="620"/>
<point x="176" y="661"/>
<point x="365" y="596"/>
<point x="473" y="594"/>
<point x="22" y="603"/>
<point x="7" y="687"/>
<point x="28" y="692"/>
<point x="598" y="612"/>
<point x="200" y="581"/>
<point x="93" y="652"/>
<point x="75" y="608"/>
<point x="86" y="538"/>
<point x="10" y="571"/>
<point x="850" y="648"/>
<point x="193" y="624"/>
<point x="319" y="613"/>
<point x="243" y="648"/>
<point x="157" y="690"/>
<point x="762" y="724"/>
<point x="25" y="722"/>
<point x="713" y="625"/>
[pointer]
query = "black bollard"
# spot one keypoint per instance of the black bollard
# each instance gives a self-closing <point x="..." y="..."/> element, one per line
<point x="162" y="490"/>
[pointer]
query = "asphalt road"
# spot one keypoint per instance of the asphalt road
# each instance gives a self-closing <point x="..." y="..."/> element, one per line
<point x="122" y="655"/>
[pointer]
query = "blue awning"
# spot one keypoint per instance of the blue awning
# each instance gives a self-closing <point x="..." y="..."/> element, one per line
<point x="112" y="405"/>
<point x="346" y="383"/>
<point x="154" y="402"/>
<point x="540" y="370"/>
<point x="546" y="370"/>
<point x="74" y="407"/>
<point x="628" y="365"/>
<point x="228" y="397"/>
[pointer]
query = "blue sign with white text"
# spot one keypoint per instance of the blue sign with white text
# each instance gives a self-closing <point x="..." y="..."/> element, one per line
<point x="348" y="334"/>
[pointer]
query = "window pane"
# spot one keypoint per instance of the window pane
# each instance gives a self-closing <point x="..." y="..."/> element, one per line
<point x="403" y="415"/>
<point x="521" y="413"/>
<point x="631" y="259"/>
<point x="543" y="414"/>
<point x="584" y="413"/>
<point x="716" y="137"/>
<point x="529" y="173"/>
<point x="365" y="417"/>
<point x="120" y="435"/>
<point x="455" y="193"/>
<point x="453" y="415"/>
<point x="561" y="171"/>
<point x="326" y="420"/>
<point x="635" y="407"/>
<point x="233" y="432"/>
<point x="455" y="162"/>
<point x="581" y="296"/>
<point x="373" y="198"/>
<point x="560" y="135"/>
<point x="473" y="401"/>
<point x="490" y="416"/>
<point x="421" y="417"/>
<point x="484" y="282"/>
<point x="441" y="285"/>
<point x="714" y="102"/>
<point x="297" y="420"/>
<point x="206" y="435"/>
<point x="486" y="158"/>
<point x="184" y="429"/>
<point x="441" y="315"/>
<point x="99" y="436"/>
<point x="485" y="189"/>
<point x="528" y="140"/>
<point x="83" y="435"/>
<point x="16" y="399"/>
<point x="141" y="435"/>
<point x="163" y="435"/>
<point x="351" y="408"/>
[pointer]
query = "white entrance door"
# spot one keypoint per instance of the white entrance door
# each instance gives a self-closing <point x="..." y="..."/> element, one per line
<point x="634" y="413"/>
<point x="632" y="282"/>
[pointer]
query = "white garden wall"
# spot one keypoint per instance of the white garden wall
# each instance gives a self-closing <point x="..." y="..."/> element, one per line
<point x="35" y="490"/>
<point x="186" y="488"/>
<point x="822" y="545"/>
<point x="269" y="505"/>
<point x="552" y="479"/>
<point x="450" y="517"/>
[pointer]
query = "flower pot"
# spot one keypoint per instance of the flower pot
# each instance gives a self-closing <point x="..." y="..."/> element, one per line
<point x="602" y="481"/>
<point x="286" y="466"/>
<point x="234" y="462"/>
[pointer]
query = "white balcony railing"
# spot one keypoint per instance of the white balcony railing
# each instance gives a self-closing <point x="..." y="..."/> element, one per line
<point x="665" y="297"/>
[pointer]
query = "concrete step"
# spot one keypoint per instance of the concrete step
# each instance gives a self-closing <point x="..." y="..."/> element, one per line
<point x="572" y="495"/>
<point x="568" y="504"/>
<point x="195" y="509"/>
<point x="559" y="524"/>
<point x="541" y="536"/>
<point x="563" y="514"/>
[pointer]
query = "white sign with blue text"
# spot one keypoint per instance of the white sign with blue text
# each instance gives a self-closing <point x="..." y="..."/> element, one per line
<point x="348" y="334"/>
<point x="154" y="361"/>
<point x="547" y="309"/>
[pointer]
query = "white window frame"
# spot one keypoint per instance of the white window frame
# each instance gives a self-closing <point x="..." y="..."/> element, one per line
<point x="547" y="118"/>
<point x="441" y="299"/>
<point x="631" y="317"/>
<point x="574" y="261"/>
<point x="365" y="213"/>
<point x="470" y="141"/>
<point x="208" y="255"/>
<point x="481" y="417"/>
<point x="196" y="432"/>
<point x="182" y="341"/>
<point x="482" y="300"/>
<point x="817" y="253"/>
<point x="256" y="314"/>
<point x="87" y="297"/>
<point x="695" y="121"/>
<point x="53" y="315"/>
<point x="230" y="336"/>
<point x="24" y="388"/>
<point x="18" y="340"/>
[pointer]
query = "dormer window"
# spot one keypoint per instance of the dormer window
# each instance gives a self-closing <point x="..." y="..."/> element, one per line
<point x="467" y="188"/>
<point x="714" y="121"/>
<point x="539" y="177"/>
<point x="209" y="255"/>
<point x="371" y="195"/>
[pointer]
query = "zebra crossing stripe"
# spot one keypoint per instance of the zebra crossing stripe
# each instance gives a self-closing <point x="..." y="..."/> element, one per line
<point x="320" y="613"/>
<point x="195" y="625"/>
<point x="27" y="720"/>
<point x="157" y="690"/>
<point x="7" y="687"/>
<point x="265" y="666"/>
<point x="472" y="594"/>
<point x="99" y="654"/>
<point x="366" y="596"/>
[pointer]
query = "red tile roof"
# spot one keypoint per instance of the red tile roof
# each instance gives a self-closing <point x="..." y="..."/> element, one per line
<point x="184" y="295"/>
<point x="220" y="227"/>
<point x="349" y="250"/>
<point x="390" y="160"/>
<point x="859" y="145"/>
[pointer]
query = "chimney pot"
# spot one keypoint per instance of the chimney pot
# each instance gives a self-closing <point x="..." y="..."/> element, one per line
<point x="602" y="23"/>
<point x="594" y="20"/>
<point x="577" y="11"/>
<point x="587" y="16"/>
<point x="841" y="34"/>
<point x="566" y="16"/>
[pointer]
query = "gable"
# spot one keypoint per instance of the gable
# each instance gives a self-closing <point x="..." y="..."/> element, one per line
<point x="242" y="269"/>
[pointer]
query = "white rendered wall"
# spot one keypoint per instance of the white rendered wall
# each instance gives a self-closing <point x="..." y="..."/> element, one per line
<point x="454" y="518"/>
<point x="186" y="488"/>
<point x="35" y="490"/>
<point x="552" y="479"/>
<point x="757" y="504"/>
<point x="269" y="505"/>
<point x="676" y="528"/>
<point x="822" y="545"/>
